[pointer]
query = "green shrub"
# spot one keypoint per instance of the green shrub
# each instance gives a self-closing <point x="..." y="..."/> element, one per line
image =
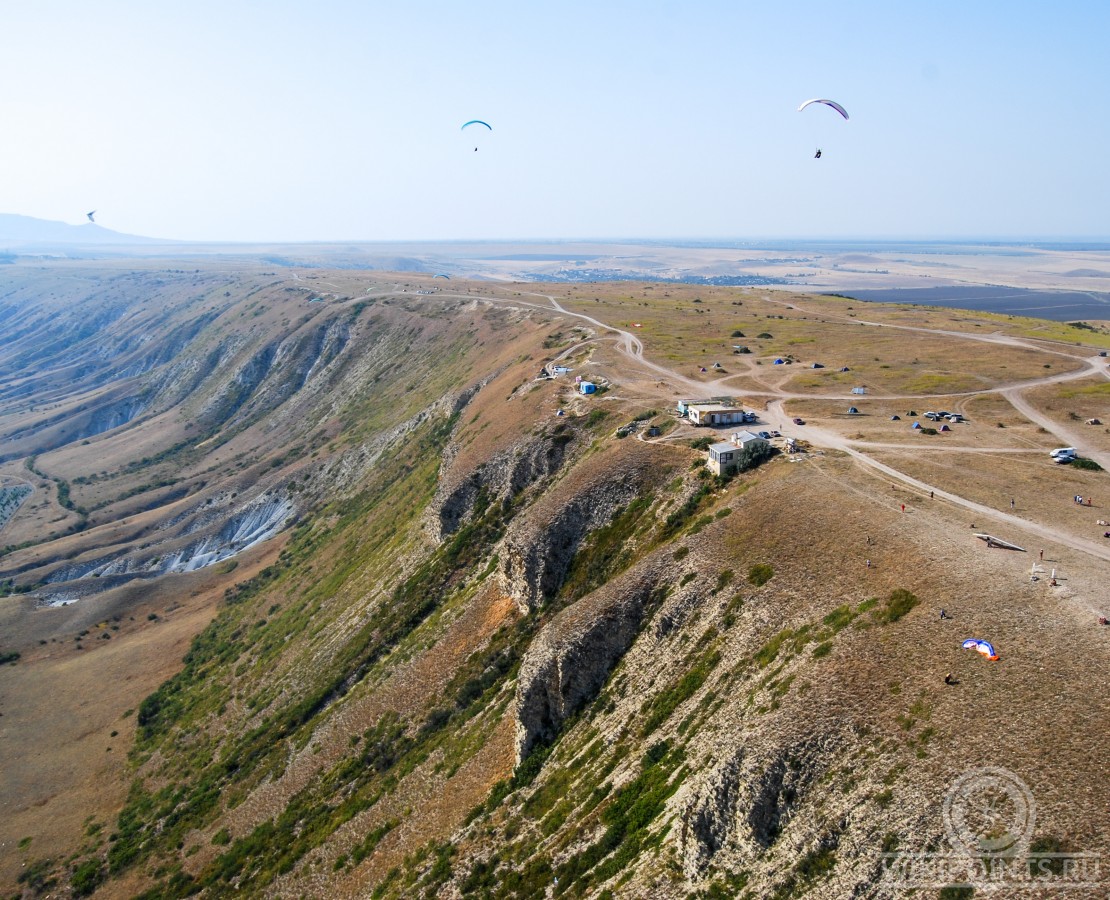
<point x="753" y="456"/>
<point x="839" y="617"/>
<point x="660" y="708"/>
<point x="87" y="877"/>
<point x="816" y="864"/>
<point x="1082" y="463"/>
<point x="897" y="605"/>
<point x="1046" y="857"/>
<point x="760" y="574"/>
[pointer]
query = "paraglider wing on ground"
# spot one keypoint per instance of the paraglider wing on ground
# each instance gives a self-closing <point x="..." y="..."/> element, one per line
<point x="984" y="647"/>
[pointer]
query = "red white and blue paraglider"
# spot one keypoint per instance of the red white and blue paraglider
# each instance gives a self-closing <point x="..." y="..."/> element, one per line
<point x="984" y="647"/>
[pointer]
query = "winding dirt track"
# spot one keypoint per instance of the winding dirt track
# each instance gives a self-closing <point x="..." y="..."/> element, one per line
<point x="632" y="347"/>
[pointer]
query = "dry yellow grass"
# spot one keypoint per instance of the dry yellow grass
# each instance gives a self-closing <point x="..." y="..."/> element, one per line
<point x="812" y="517"/>
<point x="63" y="767"/>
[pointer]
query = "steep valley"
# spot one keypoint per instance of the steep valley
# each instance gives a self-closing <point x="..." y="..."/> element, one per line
<point x="325" y="586"/>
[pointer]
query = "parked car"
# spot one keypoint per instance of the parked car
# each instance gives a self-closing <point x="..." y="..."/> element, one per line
<point x="798" y="421"/>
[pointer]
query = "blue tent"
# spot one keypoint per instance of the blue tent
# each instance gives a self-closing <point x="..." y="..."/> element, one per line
<point x="779" y="362"/>
<point x="916" y="426"/>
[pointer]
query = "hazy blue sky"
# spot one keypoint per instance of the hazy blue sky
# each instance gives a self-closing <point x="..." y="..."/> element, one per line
<point x="289" y="120"/>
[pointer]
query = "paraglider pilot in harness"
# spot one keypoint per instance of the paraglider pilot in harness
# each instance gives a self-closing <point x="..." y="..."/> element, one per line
<point x="817" y="155"/>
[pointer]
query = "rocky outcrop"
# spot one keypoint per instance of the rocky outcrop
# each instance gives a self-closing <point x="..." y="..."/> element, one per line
<point x="113" y="416"/>
<point x="569" y="662"/>
<point x="202" y="538"/>
<point x="509" y="473"/>
<point x="747" y="801"/>
<point x="344" y="473"/>
<point x="537" y="553"/>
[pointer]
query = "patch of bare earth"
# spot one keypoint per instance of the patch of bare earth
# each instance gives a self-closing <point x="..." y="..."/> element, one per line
<point x="64" y="769"/>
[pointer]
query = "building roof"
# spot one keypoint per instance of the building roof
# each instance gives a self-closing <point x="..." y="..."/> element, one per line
<point x="745" y="437"/>
<point x="714" y="407"/>
<point x="723" y="447"/>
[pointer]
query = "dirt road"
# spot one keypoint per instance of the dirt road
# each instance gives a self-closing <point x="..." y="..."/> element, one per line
<point x="632" y="347"/>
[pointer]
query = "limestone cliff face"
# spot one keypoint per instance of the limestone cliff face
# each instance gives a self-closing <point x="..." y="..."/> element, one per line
<point x="209" y="532"/>
<point x="571" y="659"/>
<point x="537" y="553"/>
<point x="529" y="463"/>
<point x="748" y="800"/>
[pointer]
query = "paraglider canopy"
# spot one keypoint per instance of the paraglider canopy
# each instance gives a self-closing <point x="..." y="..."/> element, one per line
<point x="840" y="109"/>
<point x="448" y="277"/>
<point x="477" y="122"/>
<point x="983" y="647"/>
<point x="820" y="134"/>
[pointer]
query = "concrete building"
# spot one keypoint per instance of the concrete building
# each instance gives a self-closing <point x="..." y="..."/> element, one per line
<point x="724" y="457"/>
<point x="717" y="414"/>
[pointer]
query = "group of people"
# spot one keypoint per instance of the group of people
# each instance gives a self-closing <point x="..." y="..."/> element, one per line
<point x="1078" y="498"/>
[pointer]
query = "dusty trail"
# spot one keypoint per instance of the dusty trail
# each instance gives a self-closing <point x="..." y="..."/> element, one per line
<point x="1069" y="437"/>
<point x="632" y="347"/>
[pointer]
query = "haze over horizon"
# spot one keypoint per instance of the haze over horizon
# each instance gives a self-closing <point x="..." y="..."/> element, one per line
<point x="234" y="122"/>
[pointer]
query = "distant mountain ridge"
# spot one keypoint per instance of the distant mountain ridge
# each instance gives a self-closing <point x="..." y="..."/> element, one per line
<point x="21" y="231"/>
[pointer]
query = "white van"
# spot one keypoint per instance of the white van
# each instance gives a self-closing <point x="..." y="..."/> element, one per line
<point x="1064" y="454"/>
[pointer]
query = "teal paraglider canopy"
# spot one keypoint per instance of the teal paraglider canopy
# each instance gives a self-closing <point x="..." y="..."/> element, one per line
<point x="475" y="123"/>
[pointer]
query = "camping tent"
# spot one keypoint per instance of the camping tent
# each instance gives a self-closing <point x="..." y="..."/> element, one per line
<point x="895" y="418"/>
<point x="916" y="426"/>
<point x="852" y="411"/>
